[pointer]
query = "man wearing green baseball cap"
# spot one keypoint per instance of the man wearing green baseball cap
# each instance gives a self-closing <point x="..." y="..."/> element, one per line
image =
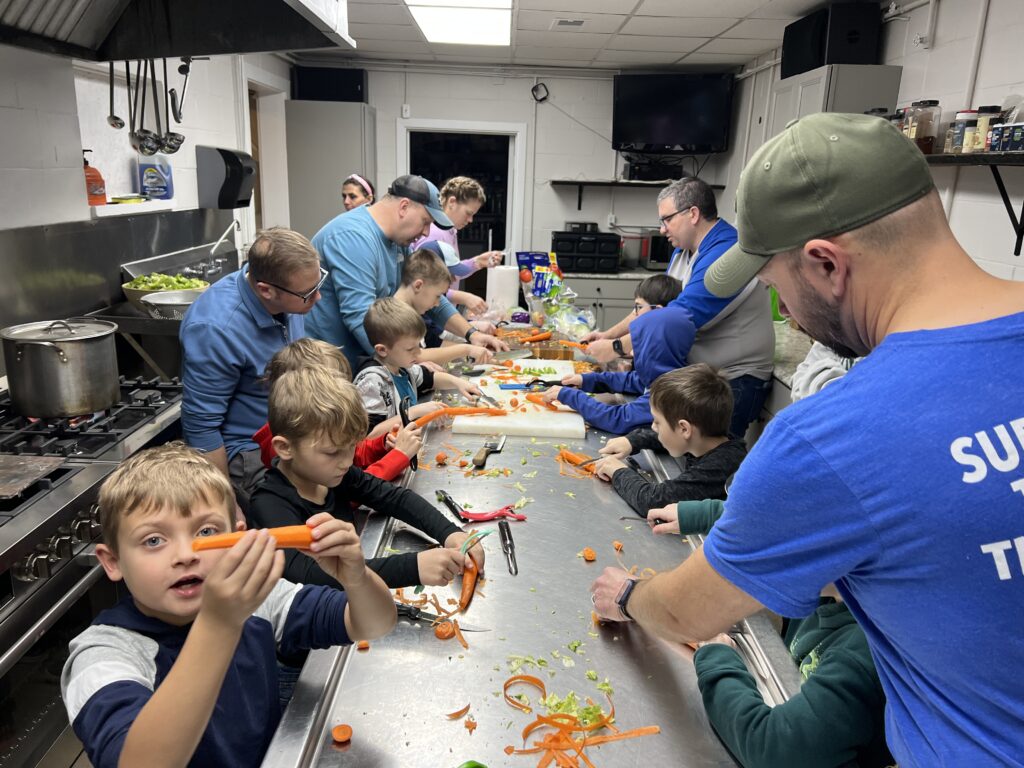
<point x="904" y="482"/>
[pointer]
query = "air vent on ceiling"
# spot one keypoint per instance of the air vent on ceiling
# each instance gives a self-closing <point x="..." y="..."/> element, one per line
<point x="567" y="25"/>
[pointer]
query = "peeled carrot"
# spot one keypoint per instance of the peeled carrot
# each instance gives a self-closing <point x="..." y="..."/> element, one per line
<point x="543" y="336"/>
<point x="288" y="537"/>
<point x="363" y="645"/>
<point x="444" y="630"/>
<point x="573" y="344"/>
<point x="538" y="399"/>
<point x="514" y="402"/>
<point x="463" y="463"/>
<point x="470" y="572"/>
<point x="460" y="411"/>
<point x="341" y="733"/>
<point x="588" y="554"/>
<point x="441" y="459"/>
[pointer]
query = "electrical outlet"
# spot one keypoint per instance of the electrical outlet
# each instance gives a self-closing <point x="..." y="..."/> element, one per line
<point x="406" y="110"/>
<point x="611" y="219"/>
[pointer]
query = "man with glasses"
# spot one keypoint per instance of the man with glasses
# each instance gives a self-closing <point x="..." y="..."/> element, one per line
<point x="734" y="334"/>
<point x="363" y="250"/>
<point x="229" y="335"/>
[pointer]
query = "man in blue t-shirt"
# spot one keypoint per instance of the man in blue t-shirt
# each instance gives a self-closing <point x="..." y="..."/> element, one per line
<point x="363" y="251"/>
<point x="904" y="482"/>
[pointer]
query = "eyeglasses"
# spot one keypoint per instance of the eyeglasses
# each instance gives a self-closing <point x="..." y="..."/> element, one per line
<point x="308" y="294"/>
<point x="666" y="219"/>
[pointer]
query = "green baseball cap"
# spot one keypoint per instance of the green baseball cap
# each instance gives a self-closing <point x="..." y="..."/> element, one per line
<point x="825" y="174"/>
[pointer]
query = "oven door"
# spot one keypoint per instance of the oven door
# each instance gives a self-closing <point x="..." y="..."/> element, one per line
<point x="34" y="637"/>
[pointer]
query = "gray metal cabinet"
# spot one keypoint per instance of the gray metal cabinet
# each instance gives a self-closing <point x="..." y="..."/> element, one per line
<point x="833" y="88"/>
<point x="610" y="299"/>
<point x="327" y="142"/>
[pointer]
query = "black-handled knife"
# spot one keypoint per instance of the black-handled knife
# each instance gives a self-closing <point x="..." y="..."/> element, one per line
<point x="403" y="412"/>
<point x="446" y="498"/>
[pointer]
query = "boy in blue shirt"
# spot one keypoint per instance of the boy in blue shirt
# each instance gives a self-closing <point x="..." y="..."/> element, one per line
<point x="184" y="666"/>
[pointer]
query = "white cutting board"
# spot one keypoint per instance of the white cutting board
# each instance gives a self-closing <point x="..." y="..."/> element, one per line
<point x="537" y="421"/>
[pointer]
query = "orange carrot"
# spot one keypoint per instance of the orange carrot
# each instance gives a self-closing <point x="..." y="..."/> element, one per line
<point x="617" y="545"/>
<point x="288" y="537"/>
<point x="470" y="724"/>
<point x="594" y="617"/>
<point x="458" y="634"/>
<point x="588" y="554"/>
<point x="514" y="402"/>
<point x="460" y="411"/>
<point x="573" y="344"/>
<point x="458" y="713"/>
<point x="538" y="399"/>
<point x="341" y="733"/>
<point x="444" y="630"/>
<point x="469" y="576"/>
<point x="542" y="336"/>
<point x="463" y="463"/>
<point x="363" y="645"/>
<point x="441" y="459"/>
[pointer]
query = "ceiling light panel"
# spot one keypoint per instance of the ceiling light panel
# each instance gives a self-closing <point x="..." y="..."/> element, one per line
<point x="464" y="22"/>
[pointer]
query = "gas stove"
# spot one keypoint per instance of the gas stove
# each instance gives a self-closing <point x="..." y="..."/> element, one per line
<point x="145" y="409"/>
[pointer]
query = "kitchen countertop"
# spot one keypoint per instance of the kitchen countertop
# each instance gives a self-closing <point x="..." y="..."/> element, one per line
<point x="791" y="347"/>
<point x="395" y="695"/>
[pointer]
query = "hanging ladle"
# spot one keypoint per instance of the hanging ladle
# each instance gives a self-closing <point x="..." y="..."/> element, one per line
<point x="147" y="142"/>
<point x="113" y="120"/>
<point x="171" y="141"/>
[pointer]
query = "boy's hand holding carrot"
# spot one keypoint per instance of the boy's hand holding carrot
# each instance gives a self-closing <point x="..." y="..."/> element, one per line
<point x="454" y="541"/>
<point x="552" y="394"/>
<point x="409" y="440"/>
<point x="241" y="581"/>
<point x="336" y="549"/>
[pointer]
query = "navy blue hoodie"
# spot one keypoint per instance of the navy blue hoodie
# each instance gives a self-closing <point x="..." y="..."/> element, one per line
<point x="661" y="340"/>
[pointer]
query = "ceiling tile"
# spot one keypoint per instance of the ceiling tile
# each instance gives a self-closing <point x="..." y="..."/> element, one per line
<point x="729" y="45"/>
<point x="562" y="54"/>
<point x="716" y="58"/>
<point x="655" y="43"/>
<point x="378" y="13"/>
<point x="560" y="39"/>
<point x="504" y="59"/>
<point x="664" y="25"/>
<point x="787" y="9"/>
<point x="550" y="62"/>
<point x="540" y="21"/>
<point x="396" y="46"/>
<point x="385" y="32"/>
<point x="761" y="29"/>
<point x="495" y="52"/>
<point x="639" y="57"/>
<point x="683" y="8"/>
<point x="583" y="6"/>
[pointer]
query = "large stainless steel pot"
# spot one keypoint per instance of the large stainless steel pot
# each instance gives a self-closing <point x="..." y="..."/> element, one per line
<point x="61" y="368"/>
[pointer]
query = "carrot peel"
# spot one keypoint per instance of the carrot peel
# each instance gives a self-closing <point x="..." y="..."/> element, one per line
<point x="458" y="713"/>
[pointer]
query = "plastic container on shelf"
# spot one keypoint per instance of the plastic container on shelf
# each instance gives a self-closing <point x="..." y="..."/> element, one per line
<point x="965" y="119"/>
<point x="95" y="187"/>
<point x="985" y="117"/>
<point x="922" y="124"/>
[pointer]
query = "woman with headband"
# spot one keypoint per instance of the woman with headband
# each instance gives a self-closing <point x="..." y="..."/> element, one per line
<point x="356" y="191"/>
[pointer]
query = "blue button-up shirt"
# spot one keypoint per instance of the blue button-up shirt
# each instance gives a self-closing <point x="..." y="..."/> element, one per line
<point x="227" y="339"/>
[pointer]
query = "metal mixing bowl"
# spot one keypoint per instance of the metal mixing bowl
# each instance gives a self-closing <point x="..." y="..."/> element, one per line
<point x="169" y="305"/>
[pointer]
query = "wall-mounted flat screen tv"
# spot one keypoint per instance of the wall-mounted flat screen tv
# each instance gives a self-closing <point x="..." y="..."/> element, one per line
<point x="683" y="114"/>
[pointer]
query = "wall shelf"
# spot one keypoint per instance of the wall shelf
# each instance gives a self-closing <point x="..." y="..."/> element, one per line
<point x="131" y="209"/>
<point x="993" y="160"/>
<point x="581" y="183"/>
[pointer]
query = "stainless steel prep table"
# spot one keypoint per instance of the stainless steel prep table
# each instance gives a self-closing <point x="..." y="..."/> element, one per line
<point x="396" y="694"/>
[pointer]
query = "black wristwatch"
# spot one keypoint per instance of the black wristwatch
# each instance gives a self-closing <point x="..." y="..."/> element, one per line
<point x="469" y="333"/>
<point x="623" y="597"/>
<point x="617" y="348"/>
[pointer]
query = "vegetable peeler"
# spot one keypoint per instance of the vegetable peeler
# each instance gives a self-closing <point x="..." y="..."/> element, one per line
<point x="403" y="412"/>
<point x="508" y="546"/>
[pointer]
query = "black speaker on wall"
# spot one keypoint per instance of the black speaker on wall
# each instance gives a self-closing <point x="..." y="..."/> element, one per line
<point x="328" y="84"/>
<point x="842" y="33"/>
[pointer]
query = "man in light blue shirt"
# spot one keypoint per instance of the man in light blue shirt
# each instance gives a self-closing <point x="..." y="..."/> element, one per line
<point x="362" y="250"/>
<point x="229" y="335"/>
<point x="903" y="482"/>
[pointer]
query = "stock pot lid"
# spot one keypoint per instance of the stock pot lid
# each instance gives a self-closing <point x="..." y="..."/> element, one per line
<point x="72" y="329"/>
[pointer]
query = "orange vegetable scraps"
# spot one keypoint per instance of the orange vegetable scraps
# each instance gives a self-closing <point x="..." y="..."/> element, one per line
<point x="341" y="733"/>
<point x="588" y="554"/>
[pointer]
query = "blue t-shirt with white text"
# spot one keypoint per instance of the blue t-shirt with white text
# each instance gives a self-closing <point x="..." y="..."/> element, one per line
<point x="903" y="482"/>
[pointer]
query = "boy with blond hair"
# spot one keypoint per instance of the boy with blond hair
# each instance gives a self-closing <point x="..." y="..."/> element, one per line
<point x="184" y="666"/>
<point x="393" y="374"/>
<point x="384" y="455"/>
<point x="425" y="278"/>
<point x="317" y="418"/>
<point x="691" y="408"/>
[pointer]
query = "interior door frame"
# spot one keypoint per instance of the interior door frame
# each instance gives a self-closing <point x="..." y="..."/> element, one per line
<point x="517" y="133"/>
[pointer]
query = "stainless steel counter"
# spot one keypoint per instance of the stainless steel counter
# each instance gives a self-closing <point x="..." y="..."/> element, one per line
<point x="396" y="694"/>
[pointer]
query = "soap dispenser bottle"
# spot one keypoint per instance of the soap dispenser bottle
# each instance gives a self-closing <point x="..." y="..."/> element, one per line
<point x="95" y="187"/>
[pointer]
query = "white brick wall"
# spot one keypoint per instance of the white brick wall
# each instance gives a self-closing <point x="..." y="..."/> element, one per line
<point x="41" y="178"/>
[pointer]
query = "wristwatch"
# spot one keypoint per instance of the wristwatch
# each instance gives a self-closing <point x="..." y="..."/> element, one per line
<point x="623" y="597"/>
<point x="469" y="333"/>
<point x="617" y="348"/>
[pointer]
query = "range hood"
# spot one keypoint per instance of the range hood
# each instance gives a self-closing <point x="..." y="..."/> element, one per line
<point x="114" y="30"/>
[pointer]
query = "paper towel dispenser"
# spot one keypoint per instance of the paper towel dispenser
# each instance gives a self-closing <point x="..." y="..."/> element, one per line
<point x="226" y="177"/>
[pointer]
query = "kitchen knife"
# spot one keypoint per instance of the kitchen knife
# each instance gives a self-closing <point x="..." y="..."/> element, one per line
<point x="414" y="614"/>
<point x="512" y="354"/>
<point x="492" y="444"/>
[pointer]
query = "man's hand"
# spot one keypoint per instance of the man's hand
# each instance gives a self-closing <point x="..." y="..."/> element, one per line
<point x="601" y="351"/>
<point x="721" y="639"/>
<point x="488" y="259"/>
<point x="486" y="340"/>
<point x="241" y="581"/>
<point x="476" y="551"/>
<point x="484" y="325"/>
<point x="478" y="354"/>
<point x="604" y="591"/>
<point x="573" y="380"/>
<point x="552" y="394"/>
<point x="617" y="448"/>
<point x="593" y="336"/>
<point x="468" y="389"/>
<point x="669" y="515"/>
<point x="607" y="467"/>
<point x="474" y="304"/>
<point x="409" y="440"/>
<point x="439" y="566"/>
<point x="336" y="549"/>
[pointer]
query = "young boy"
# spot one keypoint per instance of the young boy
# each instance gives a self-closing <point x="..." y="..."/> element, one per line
<point x="392" y="374"/>
<point x="655" y="292"/>
<point x="385" y="456"/>
<point x="837" y="717"/>
<point x="184" y="666"/>
<point x="316" y="417"/>
<point x="691" y="408"/>
<point x="661" y="339"/>
<point x="425" y="279"/>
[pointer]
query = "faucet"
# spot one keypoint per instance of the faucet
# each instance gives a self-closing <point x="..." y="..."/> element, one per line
<point x="233" y="225"/>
